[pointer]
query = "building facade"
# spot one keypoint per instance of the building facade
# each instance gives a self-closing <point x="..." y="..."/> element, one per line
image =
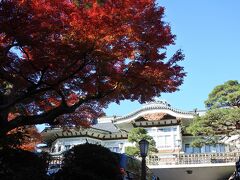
<point x="167" y="127"/>
<point x="164" y="123"/>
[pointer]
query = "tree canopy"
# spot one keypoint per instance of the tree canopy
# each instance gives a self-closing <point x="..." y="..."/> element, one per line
<point x="25" y="138"/>
<point x="63" y="62"/>
<point x="223" y="115"/>
<point x="224" y="95"/>
<point x="134" y="136"/>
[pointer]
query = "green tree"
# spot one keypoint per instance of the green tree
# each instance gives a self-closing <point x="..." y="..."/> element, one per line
<point x="134" y="136"/>
<point x="225" y="95"/>
<point x="222" y="117"/>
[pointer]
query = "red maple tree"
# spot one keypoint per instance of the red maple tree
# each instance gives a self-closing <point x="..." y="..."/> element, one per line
<point x="25" y="138"/>
<point x="63" y="61"/>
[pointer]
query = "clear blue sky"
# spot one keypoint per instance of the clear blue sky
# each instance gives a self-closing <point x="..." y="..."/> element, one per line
<point x="208" y="31"/>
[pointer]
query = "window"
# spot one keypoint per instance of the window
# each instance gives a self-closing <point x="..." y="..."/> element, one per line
<point x="166" y="129"/>
<point x="207" y="149"/>
<point x="59" y="148"/>
<point x="203" y="149"/>
<point x="222" y="148"/>
<point x="53" y="149"/>
<point x="164" y="141"/>
<point x="168" y="140"/>
<point x="161" y="141"/>
<point x="115" y="149"/>
<point x="188" y="148"/>
<point x="196" y="150"/>
<point x="213" y="149"/>
<point x="67" y="147"/>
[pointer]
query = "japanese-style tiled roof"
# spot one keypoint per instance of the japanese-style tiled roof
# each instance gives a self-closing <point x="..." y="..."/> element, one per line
<point x="156" y="105"/>
<point x="107" y="126"/>
<point x="50" y="135"/>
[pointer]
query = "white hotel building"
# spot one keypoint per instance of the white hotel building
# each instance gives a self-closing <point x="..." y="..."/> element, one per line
<point x="176" y="159"/>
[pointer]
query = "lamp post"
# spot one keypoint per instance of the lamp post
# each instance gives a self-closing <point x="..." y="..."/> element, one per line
<point x="143" y="144"/>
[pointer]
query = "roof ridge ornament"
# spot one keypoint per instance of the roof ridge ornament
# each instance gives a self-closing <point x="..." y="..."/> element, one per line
<point x="162" y="103"/>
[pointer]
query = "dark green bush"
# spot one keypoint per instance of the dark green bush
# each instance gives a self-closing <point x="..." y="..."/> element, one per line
<point x="89" y="162"/>
<point x="16" y="164"/>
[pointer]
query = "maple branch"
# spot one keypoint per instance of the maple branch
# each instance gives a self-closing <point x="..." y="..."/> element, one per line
<point x="34" y="91"/>
<point x="51" y="115"/>
<point x="73" y="73"/>
<point x="6" y="77"/>
<point x="26" y="95"/>
<point x="29" y="60"/>
<point x="84" y="55"/>
<point x="21" y="75"/>
<point x="60" y="93"/>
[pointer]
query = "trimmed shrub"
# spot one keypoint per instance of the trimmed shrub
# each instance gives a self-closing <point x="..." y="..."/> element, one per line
<point x="90" y="162"/>
<point x="17" y="164"/>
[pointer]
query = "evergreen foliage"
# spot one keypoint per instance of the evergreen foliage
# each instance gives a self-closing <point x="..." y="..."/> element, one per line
<point x="222" y="117"/>
<point x="224" y="95"/>
<point x="134" y="136"/>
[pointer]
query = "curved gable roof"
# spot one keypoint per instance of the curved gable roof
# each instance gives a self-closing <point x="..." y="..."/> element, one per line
<point x="154" y="110"/>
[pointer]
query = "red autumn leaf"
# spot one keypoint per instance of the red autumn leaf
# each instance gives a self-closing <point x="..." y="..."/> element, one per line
<point x="63" y="61"/>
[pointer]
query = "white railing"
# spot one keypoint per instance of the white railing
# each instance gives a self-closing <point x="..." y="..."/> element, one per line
<point x="202" y="158"/>
<point x="55" y="160"/>
<point x="208" y="158"/>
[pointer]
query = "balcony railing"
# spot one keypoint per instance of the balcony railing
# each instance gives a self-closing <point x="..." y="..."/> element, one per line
<point x="182" y="159"/>
<point x="55" y="160"/>
<point x="202" y="158"/>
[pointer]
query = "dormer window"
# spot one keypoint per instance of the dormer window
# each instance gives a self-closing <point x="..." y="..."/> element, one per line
<point x="53" y="149"/>
<point x="67" y="147"/>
